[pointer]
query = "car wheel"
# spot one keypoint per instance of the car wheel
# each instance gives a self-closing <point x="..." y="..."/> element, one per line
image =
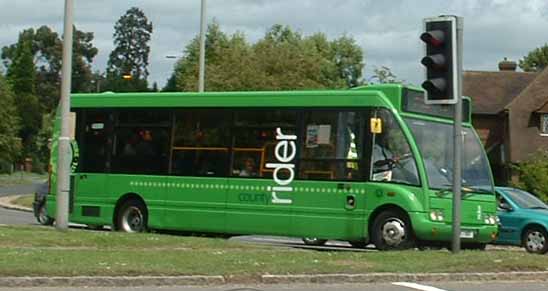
<point x="392" y="231"/>
<point x="42" y="216"/>
<point x="535" y="240"/>
<point x="132" y="217"/>
<point x="314" y="241"/>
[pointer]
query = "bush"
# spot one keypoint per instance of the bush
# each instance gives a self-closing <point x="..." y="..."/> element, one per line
<point x="533" y="175"/>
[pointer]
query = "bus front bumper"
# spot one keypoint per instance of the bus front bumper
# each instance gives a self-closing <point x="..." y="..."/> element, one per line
<point x="428" y="230"/>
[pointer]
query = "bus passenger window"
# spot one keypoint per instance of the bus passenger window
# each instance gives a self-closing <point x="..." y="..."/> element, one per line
<point x="254" y="140"/>
<point x="392" y="159"/>
<point x="332" y="146"/>
<point x="201" y="143"/>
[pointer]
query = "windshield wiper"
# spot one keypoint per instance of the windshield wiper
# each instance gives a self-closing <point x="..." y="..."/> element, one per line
<point x="537" y="207"/>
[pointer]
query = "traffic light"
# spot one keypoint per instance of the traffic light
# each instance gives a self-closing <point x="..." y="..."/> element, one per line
<point x="440" y="38"/>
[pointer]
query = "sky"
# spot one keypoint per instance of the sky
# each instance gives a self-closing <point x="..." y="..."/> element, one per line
<point x="387" y="30"/>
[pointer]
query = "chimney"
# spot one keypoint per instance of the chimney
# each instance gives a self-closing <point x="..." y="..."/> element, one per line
<point x="507" y="65"/>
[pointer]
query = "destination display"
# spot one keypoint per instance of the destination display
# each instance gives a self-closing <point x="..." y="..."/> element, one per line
<point x="413" y="101"/>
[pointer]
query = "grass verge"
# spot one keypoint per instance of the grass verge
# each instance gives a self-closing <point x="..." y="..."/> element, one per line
<point x="24" y="200"/>
<point x="43" y="251"/>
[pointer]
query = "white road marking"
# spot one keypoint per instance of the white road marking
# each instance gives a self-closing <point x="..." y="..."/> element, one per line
<point x="417" y="286"/>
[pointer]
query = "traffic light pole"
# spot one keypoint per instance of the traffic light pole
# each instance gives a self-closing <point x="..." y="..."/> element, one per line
<point x="64" y="139"/>
<point x="458" y="140"/>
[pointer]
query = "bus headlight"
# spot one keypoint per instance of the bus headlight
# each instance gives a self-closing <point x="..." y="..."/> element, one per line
<point x="491" y="219"/>
<point x="436" y="215"/>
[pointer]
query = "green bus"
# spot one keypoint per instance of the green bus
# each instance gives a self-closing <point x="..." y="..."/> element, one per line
<point x="367" y="165"/>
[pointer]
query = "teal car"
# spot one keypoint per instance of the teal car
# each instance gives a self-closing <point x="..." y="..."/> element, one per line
<point x="523" y="220"/>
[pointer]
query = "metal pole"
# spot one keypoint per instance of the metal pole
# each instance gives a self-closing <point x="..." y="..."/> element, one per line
<point x="202" y="47"/>
<point x="458" y="136"/>
<point x="64" y="139"/>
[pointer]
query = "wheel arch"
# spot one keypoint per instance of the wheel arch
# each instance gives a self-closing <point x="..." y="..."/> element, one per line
<point x="123" y="199"/>
<point x="383" y="208"/>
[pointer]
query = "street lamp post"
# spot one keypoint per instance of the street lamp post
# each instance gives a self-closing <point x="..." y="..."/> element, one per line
<point x="63" y="186"/>
<point x="202" y="47"/>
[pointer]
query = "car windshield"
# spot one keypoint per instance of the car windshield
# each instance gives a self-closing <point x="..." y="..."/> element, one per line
<point x="525" y="199"/>
<point x="435" y="142"/>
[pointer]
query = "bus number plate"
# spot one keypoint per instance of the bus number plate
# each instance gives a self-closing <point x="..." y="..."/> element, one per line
<point x="466" y="234"/>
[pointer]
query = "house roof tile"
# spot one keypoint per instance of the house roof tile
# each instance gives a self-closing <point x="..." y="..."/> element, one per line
<point x="492" y="91"/>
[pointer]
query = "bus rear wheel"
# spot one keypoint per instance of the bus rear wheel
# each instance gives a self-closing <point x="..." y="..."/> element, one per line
<point x="392" y="231"/>
<point x="42" y="216"/>
<point x="132" y="217"/>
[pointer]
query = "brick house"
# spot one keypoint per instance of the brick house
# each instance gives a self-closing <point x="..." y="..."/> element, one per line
<point x="510" y="114"/>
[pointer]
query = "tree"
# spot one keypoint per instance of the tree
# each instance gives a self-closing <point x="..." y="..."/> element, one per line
<point x="9" y="127"/>
<point x="384" y="75"/>
<point x="46" y="48"/>
<point x="536" y="60"/>
<point x="21" y="75"/>
<point x="282" y="60"/>
<point x="127" y="65"/>
<point x="533" y="175"/>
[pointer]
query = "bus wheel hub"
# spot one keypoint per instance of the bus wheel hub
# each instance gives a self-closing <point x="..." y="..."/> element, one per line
<point x="393" y="232"/>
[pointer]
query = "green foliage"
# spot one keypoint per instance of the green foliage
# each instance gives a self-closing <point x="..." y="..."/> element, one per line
<point x="9" y="127"/>
<point x="132" y="32"/>
<point x="47" y="50"/>
<point x="536" y="60"/>
<point x="282" y="60"/>
<point x="22" y="73"/>
<point x="533" y="175"/>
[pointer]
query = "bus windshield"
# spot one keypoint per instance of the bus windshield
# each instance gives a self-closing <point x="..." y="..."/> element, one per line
<point x="435" y="142"/>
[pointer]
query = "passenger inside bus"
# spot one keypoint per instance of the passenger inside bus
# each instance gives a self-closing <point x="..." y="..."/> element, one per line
<point x="248" y="169"/>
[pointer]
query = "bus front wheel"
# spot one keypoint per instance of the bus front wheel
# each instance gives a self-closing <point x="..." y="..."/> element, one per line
<point x="132" y="217"/>
<point x="392" y="231"/>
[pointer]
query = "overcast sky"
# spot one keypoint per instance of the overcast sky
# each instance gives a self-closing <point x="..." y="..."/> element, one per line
<point x="387" y="30"/>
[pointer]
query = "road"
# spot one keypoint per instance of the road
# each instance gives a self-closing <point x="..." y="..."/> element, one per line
<point x="438" y="286"/>
<point x="19" y="189"/>
<point x="8" y="216"/>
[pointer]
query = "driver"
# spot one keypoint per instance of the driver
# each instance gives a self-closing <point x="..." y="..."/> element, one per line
<point x="392" y="158"/>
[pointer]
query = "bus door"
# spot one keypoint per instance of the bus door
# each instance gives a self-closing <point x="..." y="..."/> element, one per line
<point x="87" y="196"/>
<point x="328" y="199"/>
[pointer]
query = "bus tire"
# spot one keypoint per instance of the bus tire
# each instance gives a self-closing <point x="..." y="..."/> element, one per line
<point x="42" y="216"/>
<point x="314" y="241"/>
<point x="535" y="240"/>
<point x="392" y="231"/>
<point x="132" y="216"/>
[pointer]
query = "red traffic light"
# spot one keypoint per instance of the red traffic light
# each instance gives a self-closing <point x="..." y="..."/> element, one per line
<point x="434" y="37"/>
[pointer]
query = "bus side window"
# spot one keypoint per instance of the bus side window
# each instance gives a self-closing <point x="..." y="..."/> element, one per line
<point x="96" y="141"/>
<point x="201" y="143"/>
<point x="141" y="139"/>
<point x="392" y="159"/>
<point x="255" y="140"/>
<point x="332" y="145"/>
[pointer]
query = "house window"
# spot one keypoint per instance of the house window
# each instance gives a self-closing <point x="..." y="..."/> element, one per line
<point x="544" y="124"/>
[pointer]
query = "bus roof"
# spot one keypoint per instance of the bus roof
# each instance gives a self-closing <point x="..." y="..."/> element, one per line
<point x="387" y="95"/>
